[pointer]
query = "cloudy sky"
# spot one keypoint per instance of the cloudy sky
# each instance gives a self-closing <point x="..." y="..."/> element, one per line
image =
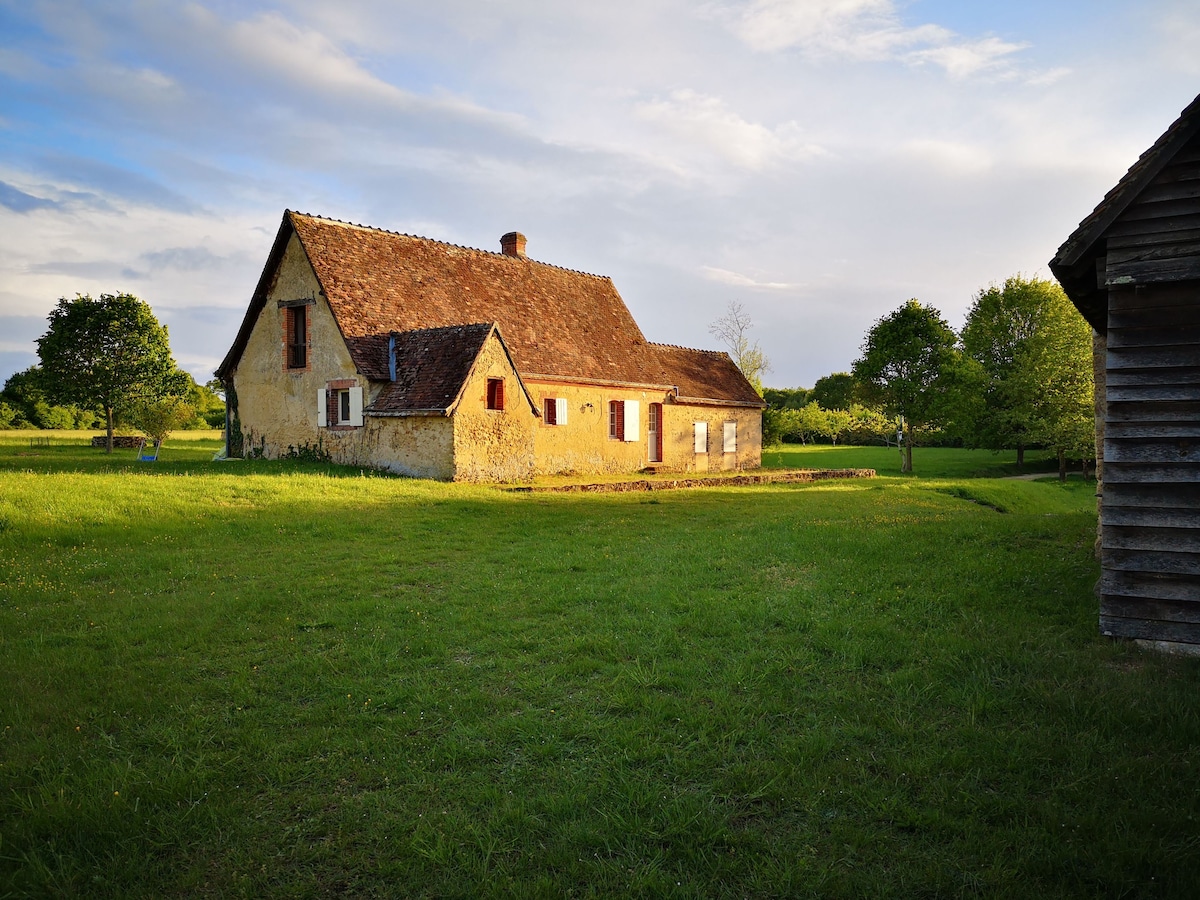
<point x="819" y="161"/>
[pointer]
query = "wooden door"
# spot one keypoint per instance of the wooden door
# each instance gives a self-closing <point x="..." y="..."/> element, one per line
<point x="654" y="433"/>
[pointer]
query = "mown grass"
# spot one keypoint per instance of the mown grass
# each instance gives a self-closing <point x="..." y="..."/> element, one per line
<point x="265" y="679"/>
<point x="928" y="462"/>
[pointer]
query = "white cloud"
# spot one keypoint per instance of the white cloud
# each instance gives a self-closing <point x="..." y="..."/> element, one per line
<point x="868" y="31"/>
<point x="709" y="123"/>
<point x="724" y="276"/>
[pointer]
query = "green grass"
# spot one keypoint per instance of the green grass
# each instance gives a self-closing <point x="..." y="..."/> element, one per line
<point x="928" y="462"/>
<point x="266" y="679"/>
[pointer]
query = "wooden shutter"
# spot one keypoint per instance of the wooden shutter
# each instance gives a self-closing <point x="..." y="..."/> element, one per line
<point x="550" y="411"/>
<point x="731" y="437"/>
<point x="322" y="408"/>
<point x="633" y="420"/>
<point x="618" y="431"/>
<point x="560" y="411"/>
<point x="701" y="437"/>
<point x="356" y="406"/>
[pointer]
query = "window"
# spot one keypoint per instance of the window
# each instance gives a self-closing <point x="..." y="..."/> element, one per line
<point x="495" y="393"/>
<point x="296" y="327"/>
<point x="554" y="411"/>
<point x="339" y="406"/>
<point x="623" y="419"/>
<point x="731" y="437"/>
<point x="616" y="420"/>
<point x="701" y="431"/>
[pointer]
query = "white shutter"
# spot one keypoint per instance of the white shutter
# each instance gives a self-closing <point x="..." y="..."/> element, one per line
<point x="633" y="418"/>
<point x="322" y="409"/>
<point x="731" y="437"/>
<point x="356" y="405"/>
<point x="701" y="437"/>
<point x="560" y="411"/>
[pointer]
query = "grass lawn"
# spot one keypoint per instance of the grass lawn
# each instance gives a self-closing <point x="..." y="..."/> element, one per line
<point x="249" y="679"/>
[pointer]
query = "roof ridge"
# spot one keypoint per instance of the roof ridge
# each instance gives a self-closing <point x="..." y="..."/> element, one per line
<point x="691" y="349"/>
<point x="421" y="237"/>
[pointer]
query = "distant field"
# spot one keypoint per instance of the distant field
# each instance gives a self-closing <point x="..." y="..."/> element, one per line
<point x="280" y="679"/>
<point x="928" y="462"/>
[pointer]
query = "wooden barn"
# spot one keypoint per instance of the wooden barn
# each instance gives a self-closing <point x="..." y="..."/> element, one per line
<point x="1133" y="270"/>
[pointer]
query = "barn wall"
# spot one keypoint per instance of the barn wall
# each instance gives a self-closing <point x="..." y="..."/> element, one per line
<point x="1157" y="238"/>
<point x="1150" y="519"/>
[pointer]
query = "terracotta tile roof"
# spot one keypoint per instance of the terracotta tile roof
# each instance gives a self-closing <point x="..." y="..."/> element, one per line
<point x="702" y="374"/>
<point x="555" y="322"/>
<point x="432" y="365"/>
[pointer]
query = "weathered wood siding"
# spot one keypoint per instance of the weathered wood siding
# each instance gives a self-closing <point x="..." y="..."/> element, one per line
<point x="1150" y="518"/>
<point x="1157" y="238"/>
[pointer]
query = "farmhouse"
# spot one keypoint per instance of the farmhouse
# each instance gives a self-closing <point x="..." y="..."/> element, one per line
<point x="428" y="359"/>
<point x="1133" y="270"/>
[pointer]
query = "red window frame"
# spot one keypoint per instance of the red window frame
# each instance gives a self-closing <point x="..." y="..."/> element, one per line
<point x="495" y="393"/>
<point x="297" y="337"/>
<point x="616" y="420"/>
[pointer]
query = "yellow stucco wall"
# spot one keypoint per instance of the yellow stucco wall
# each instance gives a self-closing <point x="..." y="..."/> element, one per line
<point x="493" y="445"/>
<point x="420" y="446"/>
<point x="277" y="408"/>
<point x="583" y="445"/>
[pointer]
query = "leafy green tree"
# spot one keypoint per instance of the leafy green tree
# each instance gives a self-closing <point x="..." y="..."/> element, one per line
<point x="24" y="393"/>
<point x="108" y="352"/>
<point x="1032" y="353"/>
<point x="786" y="398"/>
<point x="907" y="366"/>
<point x="733" y="330"/>
<point x="834" y="391"/>
<point x="8" y="416"/>
<point x="208" y="405"/>
<point x="158" y="418"/>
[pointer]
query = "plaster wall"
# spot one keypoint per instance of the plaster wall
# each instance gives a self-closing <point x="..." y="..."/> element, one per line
<point x="493" y="445"/>
<point x="420" y="446"/>
<point x="679" y="441"/>
<point x="582" y="445"/>
<point x="277" y="407"/>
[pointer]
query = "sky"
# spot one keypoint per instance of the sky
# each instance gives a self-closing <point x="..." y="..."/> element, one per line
<point x="819" y="162"/>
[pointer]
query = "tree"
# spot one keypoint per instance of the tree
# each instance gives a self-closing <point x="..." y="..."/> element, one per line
<point x="25" y="396"/>
<point x="786" y="398"/>
<point x="1028" y="343"/>
<point x="834" y="391"/>
<point x="733" y="330"/>
<point x="906" y="367"/>
<point x="109" y="353"/>
<point x="158" y="418"/>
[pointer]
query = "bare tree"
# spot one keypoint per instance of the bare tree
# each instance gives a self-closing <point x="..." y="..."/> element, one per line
<point x="733" y="330"/>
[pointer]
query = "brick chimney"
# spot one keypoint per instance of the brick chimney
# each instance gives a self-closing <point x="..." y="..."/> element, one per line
<point x="513" y="244"/>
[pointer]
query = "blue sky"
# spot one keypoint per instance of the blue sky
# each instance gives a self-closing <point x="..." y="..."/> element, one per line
<point x="819" y="161"/>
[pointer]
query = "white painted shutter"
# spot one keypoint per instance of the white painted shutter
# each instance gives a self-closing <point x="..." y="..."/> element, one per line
<point x="322" y="409"/>
<point x="356" y="405"/>
<point x="701" y="437"/>
<point x="560" y="411"/>
<point x="731" y="437"/>
<point x="633" y="418"/>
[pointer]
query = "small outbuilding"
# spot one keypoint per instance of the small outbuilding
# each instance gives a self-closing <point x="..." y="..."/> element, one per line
<point x="1132" y="268"/>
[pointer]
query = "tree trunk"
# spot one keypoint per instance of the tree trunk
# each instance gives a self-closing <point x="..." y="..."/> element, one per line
<point x="108" y="445"/>
<point x="1020" y="455"/>
<point x="1062" y="464"/>
<point x="907" y="465"/>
